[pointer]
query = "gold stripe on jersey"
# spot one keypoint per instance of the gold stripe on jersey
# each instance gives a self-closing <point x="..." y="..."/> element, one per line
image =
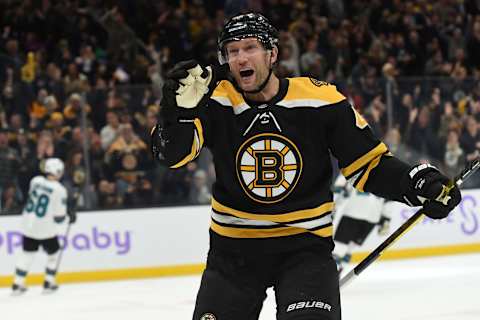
<point x="226" y="94"/>
<point x="302" y="92"/>
<point x="197" y="144"/>
<point x="324" y="232"/>
<point x="232" y="232"/>
<point x="361" y="162"/>
<point x="361" y="182"/>
<point x="280" y="218"/>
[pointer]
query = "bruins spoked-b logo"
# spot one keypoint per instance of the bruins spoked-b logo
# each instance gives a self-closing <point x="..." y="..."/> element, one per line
<point x="208" y="316"/>
<point x="268" y="167"/>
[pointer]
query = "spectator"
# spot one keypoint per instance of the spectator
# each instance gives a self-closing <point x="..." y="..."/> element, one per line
<point x="9" y="202"/>
<point x="447" y="119"/>
<point x="420" y="134"/>
<point x="454" y="157"/>
<point x="107" y="196"/>
<point x="9" y="161"/>
<point x="473" y="45"/>
<point x="199" y="190"/>
<point x="75" y="179"/>
<point x="127" y="158"/>
<point x="73" y="110"/>
<point x="312" y="63"/>
<point x="455" y="41"/>
<point x="86" y="62"/>
<point x="25" y="148"/>
<point x="470" y="139"/>
<point x="38" y="109"/>
<point x="288" y="62"/>
<point x="290" y="58"/>
<point x="393" y="139"/>
<point x="75" y="81"/>
<point x="45" y="146"/>
<point x="109" y="132"/>
<point x="375" y="116"/>
<point x="402" y="112"/>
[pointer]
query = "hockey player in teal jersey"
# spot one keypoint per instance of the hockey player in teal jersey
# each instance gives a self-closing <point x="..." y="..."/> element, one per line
<point x="271" y="141"/>
<point x="357" y="213"/>
<point x="46" y="208"/>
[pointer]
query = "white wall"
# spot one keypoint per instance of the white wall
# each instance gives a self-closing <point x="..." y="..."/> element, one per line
<point x="462" y="226"/>
<point x="176" y="236"/>
<point x="121" y="239"/>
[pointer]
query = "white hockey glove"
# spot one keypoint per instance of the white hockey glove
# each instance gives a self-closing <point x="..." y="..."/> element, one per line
<point x="192" y="84"/>
<point x="194" y="87"/>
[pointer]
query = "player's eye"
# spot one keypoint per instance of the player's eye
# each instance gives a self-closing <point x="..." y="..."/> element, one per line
<point x="232" y="52"/>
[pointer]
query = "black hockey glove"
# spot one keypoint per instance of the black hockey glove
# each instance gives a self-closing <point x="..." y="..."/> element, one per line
<point x="72" y="216"/>
<point x="189" y="85"/>
<point x="427" y="187"/>
<point x="72" y="209"/>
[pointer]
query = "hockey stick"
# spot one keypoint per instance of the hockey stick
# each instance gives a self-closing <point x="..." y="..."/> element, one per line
<point x="406" y="226"/>
<point x="72" y="210"/>
<point x="65" y="236"/>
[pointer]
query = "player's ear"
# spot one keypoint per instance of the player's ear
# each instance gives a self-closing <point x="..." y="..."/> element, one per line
<point x="273" y="55"/>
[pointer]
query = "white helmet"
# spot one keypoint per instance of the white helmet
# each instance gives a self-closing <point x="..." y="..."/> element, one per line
<point x="54" y="166"/>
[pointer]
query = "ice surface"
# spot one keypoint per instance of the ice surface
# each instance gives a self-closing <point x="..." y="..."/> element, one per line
<point x="443" y="288"/>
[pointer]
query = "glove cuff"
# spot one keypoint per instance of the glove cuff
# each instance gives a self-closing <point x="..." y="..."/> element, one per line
<point x="417" y="183"/>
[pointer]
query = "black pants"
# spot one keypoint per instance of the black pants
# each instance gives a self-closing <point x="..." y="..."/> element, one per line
<point x="50" y="245"/>
<point x="305" y="282"/>
<point x="351" y="229"/>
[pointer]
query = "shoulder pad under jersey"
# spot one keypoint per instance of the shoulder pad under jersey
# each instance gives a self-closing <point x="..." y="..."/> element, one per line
<point x="226" y="94"/>
<point x="310" y="92"/>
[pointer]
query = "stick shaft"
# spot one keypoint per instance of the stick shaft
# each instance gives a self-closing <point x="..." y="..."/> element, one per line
<point x="59" y="259"/>
<point x="406" y="226"/>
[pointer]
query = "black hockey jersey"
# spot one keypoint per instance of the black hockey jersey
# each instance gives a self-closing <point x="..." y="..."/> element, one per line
<point x="273" y="164"/>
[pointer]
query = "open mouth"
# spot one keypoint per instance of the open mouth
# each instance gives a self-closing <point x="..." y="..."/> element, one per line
<point x="246" y="73"/>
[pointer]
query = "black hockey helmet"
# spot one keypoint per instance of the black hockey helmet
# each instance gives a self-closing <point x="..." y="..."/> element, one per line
<point x="245" y="26"/>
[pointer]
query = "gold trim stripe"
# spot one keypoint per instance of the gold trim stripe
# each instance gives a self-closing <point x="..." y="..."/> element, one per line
<point x="282" y="217"/>
<point x="361" y="183"/>
<point x="324" y="232"/>
<point x="112" y="274"/>
<point x="268" y="144"/>
<point x="248" y="168"/>
<point x="302" y="91"/>
<point x="289" y="167"/>
<point x="225" y="89"/>
<point x="285" y="184"/>
<point x="196" y="146"/>
<point x="364" y="160"/>
<point x="180" y="270"/>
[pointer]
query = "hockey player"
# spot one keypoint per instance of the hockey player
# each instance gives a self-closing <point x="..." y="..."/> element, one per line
<point x="46" y="208"/>
<point x="359" y="213"/>
<point x="271" y="141"/>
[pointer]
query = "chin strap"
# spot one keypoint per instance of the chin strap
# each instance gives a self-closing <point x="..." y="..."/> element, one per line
<point x="263" y="85"/>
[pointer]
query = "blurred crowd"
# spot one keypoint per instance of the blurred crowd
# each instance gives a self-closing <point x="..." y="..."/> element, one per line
<point x="81" y="80"/>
